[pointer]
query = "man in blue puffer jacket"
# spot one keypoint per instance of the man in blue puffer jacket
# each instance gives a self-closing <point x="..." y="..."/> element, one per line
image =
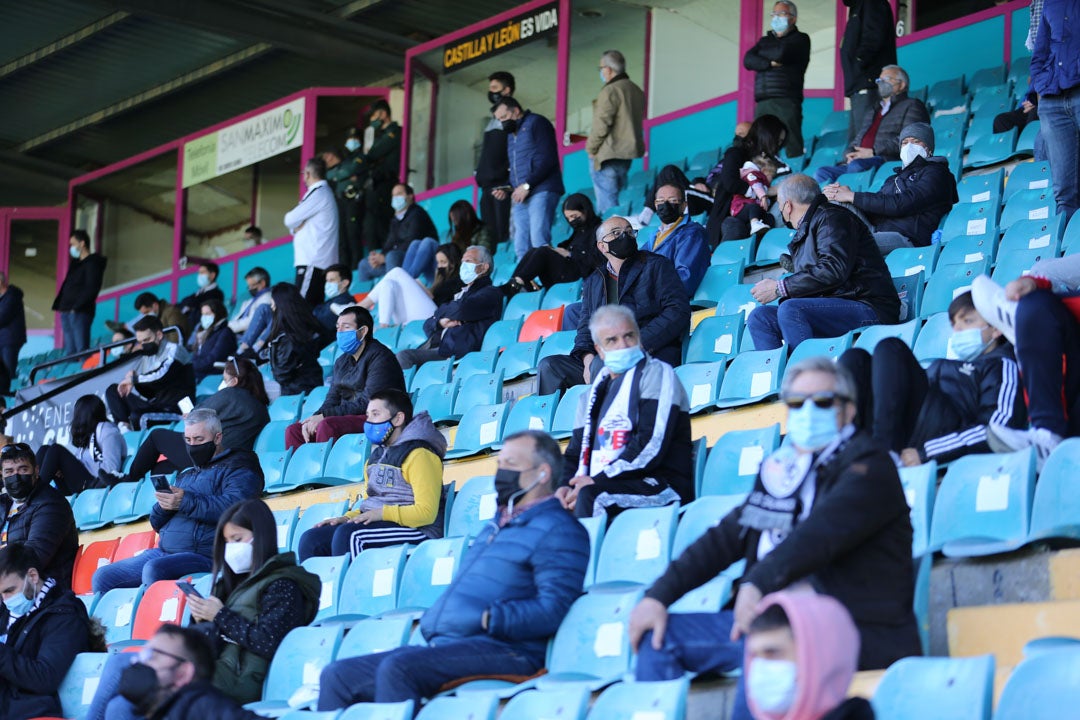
<point x="515" y="586"/>
<point x="535" y="177"/>
<point x="186" y="516"/>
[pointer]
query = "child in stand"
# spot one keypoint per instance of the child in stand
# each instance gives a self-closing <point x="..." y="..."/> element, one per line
<point x="753" y="207"/>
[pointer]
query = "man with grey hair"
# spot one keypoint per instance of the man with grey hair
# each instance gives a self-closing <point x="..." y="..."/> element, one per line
<point x="838" y="280"/>
<point x="458" y="327"/>
<point x="12" y="330"/>
<point x="878" y="137"/>
<point x="827" y="512"/>
<point x="631" y="442"/>
<point x="779" y="60"/>
<point x="186" y="512"/>
<point x="617" y="135"/>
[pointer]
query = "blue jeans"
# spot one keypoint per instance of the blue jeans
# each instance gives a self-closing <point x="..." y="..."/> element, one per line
<point x="571" y="316"/>
<point x="829" y="173"/>
<point x="420" y="258"/>
<point x="394" y="258"/>
<point x="416" y="672"/>
<point x="607" y="182"/>
<point x="1060" y="128"/>
<point x="799" y="319"/>
<point x="694" y="642"/>
<point x="76" y="329"/>
<point x="147" y="568"/>
<point x="532" y="222"/>
<point x="258" y="330"/>
<point x="887" y="241"/>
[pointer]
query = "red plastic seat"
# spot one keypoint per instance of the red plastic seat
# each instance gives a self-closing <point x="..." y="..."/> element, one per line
<point x="540" y="324"/>
<point x="134" y="544"/>
<point x="91" y="557"/>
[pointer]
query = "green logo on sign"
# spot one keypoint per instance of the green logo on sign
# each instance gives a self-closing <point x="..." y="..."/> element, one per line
<point x="291" y="122"/>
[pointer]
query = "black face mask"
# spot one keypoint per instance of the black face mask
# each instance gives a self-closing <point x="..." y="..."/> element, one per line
<point x="668" y="212"/>
<point x="149" y="348"/>
<point x="622" y="245"/>
<point x="506" y="485"/>
<point x="202" y="453"/>
<point x="510" y="125"/>
<point x="253" y="291"/>
<point x="495" y="98"/>
<point x="577" y="223"/>
<point x="19" y="486"/>
<point x="139" y="685"/>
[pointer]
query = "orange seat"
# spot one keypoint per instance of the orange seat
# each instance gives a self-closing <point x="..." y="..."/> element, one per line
<point x="163" y="602"/>
<point x="92" y="362"/>
<point x="91" y="557"/>
<point x="540" y="324"/>
<point x="134" y="544"/>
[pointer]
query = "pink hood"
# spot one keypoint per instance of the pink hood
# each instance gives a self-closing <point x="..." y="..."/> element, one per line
<point x="827" y="653"/>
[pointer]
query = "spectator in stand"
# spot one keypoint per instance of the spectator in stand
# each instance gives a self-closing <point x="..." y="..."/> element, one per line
<point x="97" y="458"/>
<point x="36" y="514"/>
<point x="646" y="283"/>
<point x="406" y="244"/>
<point x="259" y="596"/>
<point x="516" y="584"/>
<point x="943" y="412"/>
<point x="161" y="378"/>
<point x="122" y="350"/>
<point x="493" y="168"/>
<point x="869" y="44"/>
<point x="879" y="133"/>
<point x="363" y="367"/>
<point x="765" y="137"/>
<point x="699" y="197"/>
<point x="801" y="654"/>
<point x="780" y="59"/>
<point x="631" y="442"/>
<point x="208" y="289"/>
<point x="241" y="407"/>
<point x="170" y="315"/>
<point x="534" y="174"/>
<point x="186" y="515"/>
<point x="404" y="299"/>
<point x="827" y="510"/>
<point x="574" y="258"/>
<point x="379" y="167"/>
<point x="44" y="627"/>
<point x="1039" y="315"/>
<point x="466" y="229"/>
<point x="1055" y="76"/>
<point x="750" y="211"/>
<point x="249" y="324"/>
<point x="213" y="342"/>
<point x="77" y="298"/>
<point x="838" y="281"/>
<point x="295" y="339"/>
<point x="12" y="330"/>
<point x="314" y="227"/>
<point x="679" y="238"/>
<point x="343" y="174"/>
<point x="253" y="236"/>
<point x="908" y="208"/>
<point x="617" y="136"/>
<point x="405" y="498"/>
<point x="457" y="327"/>
<point x="338" y="297"/>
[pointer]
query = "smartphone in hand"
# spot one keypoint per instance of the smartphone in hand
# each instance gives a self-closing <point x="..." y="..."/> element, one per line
<point x="161" y="483"/>
<point x="188" y="589"/>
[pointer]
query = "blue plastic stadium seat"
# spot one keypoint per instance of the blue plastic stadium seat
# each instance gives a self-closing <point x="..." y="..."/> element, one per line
<point x="298" y="662"/>
<point x="286" y="407"/>
<point x="314" y="400"/>
<point x="561" y="294"/>
<point x="518" y="359"/>
<point x="1019" y="69"/>
<point x="119" y="505"/>
<point x="984" y="504"/>
<point x="369" y="586"/>
<point x="305" y="467"/>
<point x="331" y="571"/>
<point x="502" y="333"/>
<point x="857" y="181"/>
<point x="474" y="706"/>
<point x="429" y="571"/>
<point x="946" y="93"/>
<point x="933" y="339"/>
<point x="773" y="245"/>
<point x="1011" y="264"/>
<point x="80" y="683"/>
<point x="702" y="383"/>
<point x="87" y="508"/>
<point x="737" y="300"/>
<point x="831" y="348"/>
<point x="285" y="521"/>
<point x="373" y="635"/>
<point x="969" y="249"/>
<point x="1042" y="687"/>
<point x="1025" y="144"/>
<point x="522" y="305"/>
<point x="982" y="127"/>
<point x="479" y="362"/>
<point x="718" y="278"/>
<point x="835" y="121"/>
<point x="345" y="461"/>
<point x="981" y="188"/>
<point x="437" y="400"/>
<point x="116" y="611"/>
<point x="637" y="546"/>
<point x="733" y="251"/>
<point x="948" y="282"/>
<point x="477" y="390"/>
<point x="733" y="462"/>
<point x="752" y="376"/>
<point x="1056" y="508"/>
<point x="1028" y="205"/>
<point x="273" y="465"/>
<point x="531" y="412"/>
<point x="480" y="428"/>
<point x="903" y="262"/>
<point x="314" y="514"/>
<point x="663" y="700"/>
<point x="920" y="487"/>
<point x="970" y="219"/>
<point x="1028" y="176"/>
<point x="1070" y="241"/>
<point x="272" y="437"/>
<point x="433" y="372"/>
<point x="936" y="687"/>
<point x="715" y="338"/>
<point x="1044" y="235"/>
<point x="560" y="343"/>
<point x="870" y="336"/>
<point x="562" y="425"/>
<point x="697" y="518"/>
<point x="474" y="507"/>
<point x="563" y="703"/>
<point x="412" y="335"/>
<point x="989" y="76"/>
<point x="388" y="336"/>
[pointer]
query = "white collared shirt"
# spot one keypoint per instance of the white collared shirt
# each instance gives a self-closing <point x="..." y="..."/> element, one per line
<point x="314" y="225"/>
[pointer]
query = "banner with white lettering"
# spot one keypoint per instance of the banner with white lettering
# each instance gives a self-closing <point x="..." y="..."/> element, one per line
<point x="487" y="43"/>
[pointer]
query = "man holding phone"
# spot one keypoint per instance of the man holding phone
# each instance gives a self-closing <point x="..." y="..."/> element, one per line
<point x="187" y="512"/>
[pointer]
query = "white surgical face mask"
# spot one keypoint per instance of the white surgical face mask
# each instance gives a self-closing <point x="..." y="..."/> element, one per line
<point x="238" y="556"/>
<point x="910" y="151"/>
<point x="771" y="683"/>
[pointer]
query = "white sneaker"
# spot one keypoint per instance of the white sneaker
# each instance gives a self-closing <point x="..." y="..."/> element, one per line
<point x="1006" y="439"/>
<point x="989" y="299"/>
<point x="123" y="427"/>
<point x="757" y="226"/>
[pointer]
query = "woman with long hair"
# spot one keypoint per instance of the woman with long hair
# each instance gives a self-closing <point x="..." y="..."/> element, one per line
<point x="97" y="455"/>
<point x="573" y="259"/>
<point x="212" y="340"/>
<point x="295" y="336"/>
<point x="466" y="228"/>
<point x="402" y="299"/>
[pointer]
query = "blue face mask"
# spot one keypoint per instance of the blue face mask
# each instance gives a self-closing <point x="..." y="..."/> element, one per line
<point x="206" y="321"/>
<point x="18" y="604"/>
<point x="347" y="341"/>
<point x="621" y="360"/>
<point x="779" y="25"/>
<point x="602" y="78"/>
<point x="352" y="144"/>
<point x="202" y="280"/>
<point x="811" y="427"/>
<point x="966" y="344"/>
<point x="330" y="290"/>
<point x="468" y="273"/>
<point x="376" y="433"/>
<point x="398" y="203"/>
<point x="75" y="252"/>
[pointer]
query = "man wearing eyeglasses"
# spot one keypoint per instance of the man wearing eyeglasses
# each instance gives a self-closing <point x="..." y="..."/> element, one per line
<point x="36" y="514"/>
<point x="43" y="626"/>
<point x="827" y="512"/>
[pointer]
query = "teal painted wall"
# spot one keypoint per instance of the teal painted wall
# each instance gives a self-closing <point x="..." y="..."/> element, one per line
<point x="815" y="110"/>
<point x="278" y="261"/>
<point x="1021" y="21"/>
<point x="686" y="136"/>
<point x="968" y="49"/>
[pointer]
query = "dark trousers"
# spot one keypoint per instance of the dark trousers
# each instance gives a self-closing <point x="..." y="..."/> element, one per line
<point x="790" y="113"/>
<point x="331" y="428"/>
<point x="1006" y="121"/>
<point x="561" y="372"/>
<point x="311" y="282"/>
<point x="131" y="408"/>
<point x="9" y="356"/>
<point x="1046" y="331"/>
<point x="418" y="356"/>
<point x="861" y="103"/>
<point x="351" y="236"/>
<point x="57" y="464"/>
<point x="415" y="672"/>
<point x="169" y="443"/>
<point x="891" y="387"/>
<point x="353" y="538"/>
<point x="548" y="265"/>
<point x="377" y="214"/>
<point x="495" y="214"/>
<point x="737" y="227"/>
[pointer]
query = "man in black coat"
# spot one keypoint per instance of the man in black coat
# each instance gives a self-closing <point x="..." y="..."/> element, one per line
<point x="869" y="44"/>
<point x="493" y="168"/>
<point x="780" y="59"/>
<point x="36" y="514"/>
<point x="12" y="331"/>
<point x="828" y="511"/>
<point x="43" y="627"/>
<point x="838" y="281"/>
<point x="646" y="283"/>
<point x="77" y="299"/>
